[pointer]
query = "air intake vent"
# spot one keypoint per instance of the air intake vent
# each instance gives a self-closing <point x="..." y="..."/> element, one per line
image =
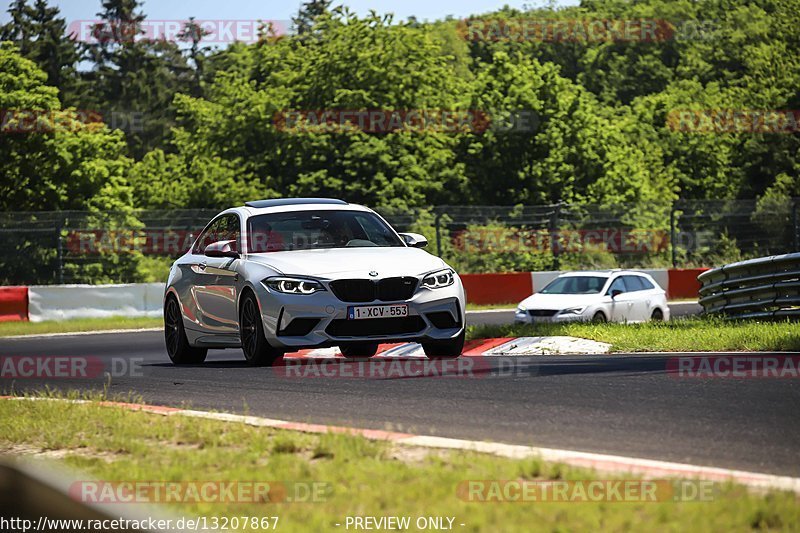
<point x="299" y="327"/>
<point x="375" y="326"/>
<point x="442" y="320"/>
<point x="542" y="312"/>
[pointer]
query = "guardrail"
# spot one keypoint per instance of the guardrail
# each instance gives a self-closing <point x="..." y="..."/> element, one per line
<point x="767" y="287"/>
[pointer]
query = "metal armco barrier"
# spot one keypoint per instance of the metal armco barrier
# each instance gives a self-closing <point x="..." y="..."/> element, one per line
<point x="767" y="287"/>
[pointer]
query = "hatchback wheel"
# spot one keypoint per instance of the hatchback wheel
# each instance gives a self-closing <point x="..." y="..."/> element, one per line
<point x="178" y="348"/>
<point x="257" y="351"/>
<point x="657" y="316"/>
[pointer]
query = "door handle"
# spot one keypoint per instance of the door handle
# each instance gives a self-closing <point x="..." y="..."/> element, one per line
<point x="202" y="266"/>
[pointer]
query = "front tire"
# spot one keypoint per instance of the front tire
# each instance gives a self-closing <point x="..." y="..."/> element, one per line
<point x="257" y="351"/>
<point x="449" y="349"/>
<point x="599" y="318"/>
<point x="359" y="349"/>
<point x="178" y="348"/>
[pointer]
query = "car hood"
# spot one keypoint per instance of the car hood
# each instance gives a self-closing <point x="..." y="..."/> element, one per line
<point x="559" y="301"/>
<point x="351" y="262"/>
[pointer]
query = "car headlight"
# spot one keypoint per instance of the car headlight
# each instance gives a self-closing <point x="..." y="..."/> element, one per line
<point x="437" y="280"/>
<point x="294" y="285"/>
<point x="522" y="309"/>
<point x="573" y="311"/>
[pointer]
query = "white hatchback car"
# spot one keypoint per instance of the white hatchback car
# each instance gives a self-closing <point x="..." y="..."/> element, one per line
<point x="611" y="295"/>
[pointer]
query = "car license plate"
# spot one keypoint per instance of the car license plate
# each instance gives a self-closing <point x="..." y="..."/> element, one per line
<point x="377" y="311"/>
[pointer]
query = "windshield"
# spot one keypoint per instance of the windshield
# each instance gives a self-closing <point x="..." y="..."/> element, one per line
<point x="308" y="230"/>
<point x="575" y="285"/>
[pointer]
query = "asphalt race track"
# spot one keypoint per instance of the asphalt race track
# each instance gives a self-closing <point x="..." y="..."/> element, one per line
<point x="621" y="404"/>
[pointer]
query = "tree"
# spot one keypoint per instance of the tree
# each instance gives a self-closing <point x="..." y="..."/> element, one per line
<point x="194" y="33"/>
<point x="50" y="158"/>
<point x="54" y="159"/>
<point x="308" y="14"/>
<point x="40" y="35"/>
<point x="136" y="76"/>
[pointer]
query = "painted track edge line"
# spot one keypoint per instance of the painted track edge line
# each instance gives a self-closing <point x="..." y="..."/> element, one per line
<point x="81" y="333"/>
<point x="617" y="464"/>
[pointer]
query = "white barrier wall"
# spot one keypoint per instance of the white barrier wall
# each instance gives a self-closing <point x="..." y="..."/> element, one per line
<point x="661" y="276"/>
<point x="540" y="279"/>
<point x="60" y="302"/>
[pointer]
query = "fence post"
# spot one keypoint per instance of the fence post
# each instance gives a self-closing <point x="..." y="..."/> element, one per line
<point x="672" y="233"/>
<point x="795" y="235"/>
<point x="438" y="224"/>
<point x="554" y="244"/>
<point x="60" y="251"/>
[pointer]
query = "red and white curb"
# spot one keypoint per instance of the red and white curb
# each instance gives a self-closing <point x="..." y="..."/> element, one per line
<point x="505" y="346"/>
<point x="615" y="464"/>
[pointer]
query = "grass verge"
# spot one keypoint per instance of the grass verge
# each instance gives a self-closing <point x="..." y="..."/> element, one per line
<point x="79" y="324"/>
<point x="489" y="307"/>
<point x="684" y="335"/>
<point x="366" y="477"/>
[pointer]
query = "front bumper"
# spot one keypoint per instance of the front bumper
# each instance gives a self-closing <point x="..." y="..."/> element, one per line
<point x="524" y="317"/>
<point x="279" y="312"/>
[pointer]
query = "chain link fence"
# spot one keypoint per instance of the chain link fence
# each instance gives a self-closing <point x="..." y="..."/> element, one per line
<point x="139" y="245"/>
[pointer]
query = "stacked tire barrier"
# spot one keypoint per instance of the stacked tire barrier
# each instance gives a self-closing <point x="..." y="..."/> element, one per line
<point x="763" y="288"/>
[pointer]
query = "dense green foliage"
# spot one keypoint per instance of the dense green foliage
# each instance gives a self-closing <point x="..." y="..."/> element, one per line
<point x="570" y="119"/>
<point x="600" y="108"/>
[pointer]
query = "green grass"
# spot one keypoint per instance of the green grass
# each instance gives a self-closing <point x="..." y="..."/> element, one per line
<point x="78" y="324"/>
<point x="689" y="334"/>
<point x="486" y="307"/>
<point x="366" y="477"/>
<point x="683" y="335"/>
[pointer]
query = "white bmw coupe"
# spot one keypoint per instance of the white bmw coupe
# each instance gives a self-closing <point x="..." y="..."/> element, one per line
<point x="275" y="276"/>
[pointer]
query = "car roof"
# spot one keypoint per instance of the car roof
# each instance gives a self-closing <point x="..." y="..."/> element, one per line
<point x="278" y="202"/>
<point x="284" y="205"/>
<point x="605" y="273"/>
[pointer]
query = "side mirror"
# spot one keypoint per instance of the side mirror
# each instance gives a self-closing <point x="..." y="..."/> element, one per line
<point x="615" y="293"/>
<point x="221" y="249"/>
<point x="415" y="240"/>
